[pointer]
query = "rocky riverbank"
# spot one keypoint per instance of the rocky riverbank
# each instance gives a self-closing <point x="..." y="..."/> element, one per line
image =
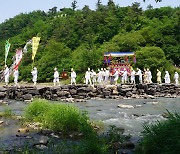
<point x="83" y="92"/>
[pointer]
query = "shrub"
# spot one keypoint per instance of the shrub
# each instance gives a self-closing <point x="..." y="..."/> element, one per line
<point x="36" y="110"/>
<point x="7" y="112"/>
<point x="162" y="137"/>
<point x="57" y="117"/>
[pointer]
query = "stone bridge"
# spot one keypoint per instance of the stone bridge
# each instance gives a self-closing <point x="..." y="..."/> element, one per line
<point x="83" y="92"/>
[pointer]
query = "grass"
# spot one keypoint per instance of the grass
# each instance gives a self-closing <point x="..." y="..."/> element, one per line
<point x="162" y="137"/>
<point x="68" y="119"/>
<point x="57" y="117"/>
<point x="7" y="112"/>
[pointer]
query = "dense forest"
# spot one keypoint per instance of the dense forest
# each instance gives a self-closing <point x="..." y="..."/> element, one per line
<point x="72" y="37"/>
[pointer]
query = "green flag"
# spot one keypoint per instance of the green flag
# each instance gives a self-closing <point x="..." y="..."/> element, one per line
<point x="7" y="47"/>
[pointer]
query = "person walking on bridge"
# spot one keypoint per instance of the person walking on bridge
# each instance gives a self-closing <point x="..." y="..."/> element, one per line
<point x="16" y="75"/>
<point x="56" y="77"/>
<point x="73" y="76"/>
<point x="34" y="74"/>
<point x="6" y="75"/>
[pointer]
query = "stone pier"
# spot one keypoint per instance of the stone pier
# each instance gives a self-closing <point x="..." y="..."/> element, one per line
<point x="83" y="92"/>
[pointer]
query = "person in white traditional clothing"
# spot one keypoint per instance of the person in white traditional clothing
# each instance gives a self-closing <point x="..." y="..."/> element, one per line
<point x="107" y="75"/>
<point x="88" y="76"/>
<point x="124" y="76"/>
<point x="145" y="76"/>
<point x="93" y="75"/>
<point x="116" y="76"/>
<point x="176" y="78"/>
<point x="16" y="75"/>
<point x="103" y="74"/>
<point x="133" y="76"/>
<point x="56" y="77"/>
<point x="149" y="76"/>
<point x="6" y="75"/>
<point x="73" y="76"/>
<point x="100" y="76"/>
<point x="158" y="76"/>
<point x="167" y="77"/>
<point x="34" y="73"/>
<point x="139" y="73"/>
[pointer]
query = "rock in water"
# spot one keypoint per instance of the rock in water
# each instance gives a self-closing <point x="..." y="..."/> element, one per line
<point x="41" y="147"/>
<point x="125" y="106"/>
<point x="1" y="122"/>
<point x="23" y="130"/>
<point x="43" y="140"/>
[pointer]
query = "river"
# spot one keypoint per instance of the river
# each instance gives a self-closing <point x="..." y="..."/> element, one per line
<point x="144" y="111"/>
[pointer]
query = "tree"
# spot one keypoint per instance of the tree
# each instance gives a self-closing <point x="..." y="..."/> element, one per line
<point x="153" y="58"/>
<point x="155" y="1"/>
<point x="74" y="5"/>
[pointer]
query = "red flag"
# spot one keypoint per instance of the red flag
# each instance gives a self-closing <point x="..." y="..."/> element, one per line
<point x="18" y="58"/>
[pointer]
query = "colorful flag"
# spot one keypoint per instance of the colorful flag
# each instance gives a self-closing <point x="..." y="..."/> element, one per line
<point x="35" y="44"/>
<point x="7" y="47"/>
<point x="25" y="50"/>
<point x="18" y="58"/>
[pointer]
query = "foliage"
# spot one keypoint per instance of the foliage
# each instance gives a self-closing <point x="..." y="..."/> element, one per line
<point x="162" y="137"/>
<point x="57" y="117"/>
<point x="153" y="58"/>
<point x="7" y="112"/>
<point x="78" y="38"/>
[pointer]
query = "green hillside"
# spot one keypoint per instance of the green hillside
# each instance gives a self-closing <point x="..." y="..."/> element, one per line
<point x="78" y="38"/>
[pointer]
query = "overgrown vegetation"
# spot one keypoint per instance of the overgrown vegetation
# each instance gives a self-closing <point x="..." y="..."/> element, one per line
<point x="7" y="112"/>
<point x="162" y="137"/>
<point x="78" y="38"/>
<point x="57" y="117"/>
<point x="68" y="119"/>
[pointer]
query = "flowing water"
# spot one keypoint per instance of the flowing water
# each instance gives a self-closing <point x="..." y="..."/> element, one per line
<point x="144" y="111"/>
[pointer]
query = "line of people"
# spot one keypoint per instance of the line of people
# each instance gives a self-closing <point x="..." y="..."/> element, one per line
<point x="104" y="76"/>
<point x="15" y="74"/>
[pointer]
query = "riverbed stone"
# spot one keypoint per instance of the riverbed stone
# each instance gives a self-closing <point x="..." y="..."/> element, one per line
<point x="2" y="95"/>
<point x="73" y="91"/>
<point x="43" y="140"/>
<point x="125" y="106"/>
<point x="63" y="93"/>
<point x="41" y="147"/>
<point x="27" y="97"/>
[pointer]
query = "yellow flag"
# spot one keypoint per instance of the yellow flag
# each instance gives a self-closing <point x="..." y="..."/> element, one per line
<point x="35" y="44"/>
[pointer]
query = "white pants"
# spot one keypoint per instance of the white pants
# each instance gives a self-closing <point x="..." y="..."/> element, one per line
<point x="6" y="79"/>
<point x="73" y="80"/>
<point x="56" y="80"/>
<point x="88" y="80"/>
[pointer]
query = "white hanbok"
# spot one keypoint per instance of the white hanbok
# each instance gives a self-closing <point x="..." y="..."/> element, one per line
<point x="93" y="75"/>
<point x="139" y="73"/>
<point x="124" y="77"/>
<point x="133" y="77"/>
<point x="16" y="75"/>
<point x="116" y="75"/>
<point x="176" y="78"/>
<point x="167" y="77"/>
<point x="6" y="75"/>
<point x="56" y="77"/>
<point x="100" y="77"/>
<point x="34" y="74"/>
<point x="107" y="75"/>
<point x="73" y="77"/>
<point x="88" y="77"/>
<point x="149" y="77"/>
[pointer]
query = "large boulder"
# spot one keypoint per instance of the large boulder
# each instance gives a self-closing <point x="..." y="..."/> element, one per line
<point x="27" y="97"/>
